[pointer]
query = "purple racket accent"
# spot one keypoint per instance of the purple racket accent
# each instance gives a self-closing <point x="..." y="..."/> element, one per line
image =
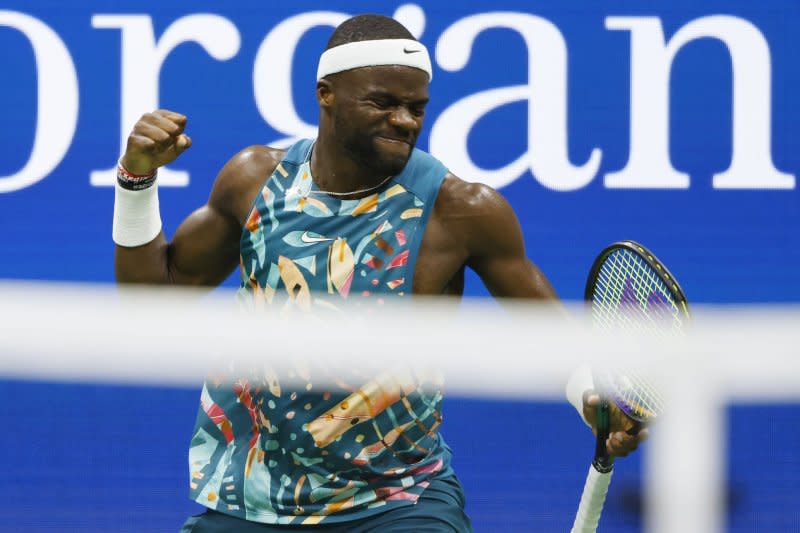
<point x="628" y="294"/>
<point x="627" y="409"/>
<point x="657" y="300"/>
<point x="655" y="305"/>
<point x="658" y="307"/>
<point x="629" y="392"/>
<point x="628" y="300"/>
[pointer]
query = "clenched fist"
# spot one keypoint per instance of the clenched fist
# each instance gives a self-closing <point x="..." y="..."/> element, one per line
<point x="156" y="140"/>
<point x="624" y="434"/>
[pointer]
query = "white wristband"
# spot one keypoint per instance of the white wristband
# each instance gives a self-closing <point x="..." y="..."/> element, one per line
<point x="137" y="219"/>
<point x="579" y="382"/>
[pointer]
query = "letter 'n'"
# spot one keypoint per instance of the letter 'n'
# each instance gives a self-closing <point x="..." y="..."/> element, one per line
<point x="649" y="164"/>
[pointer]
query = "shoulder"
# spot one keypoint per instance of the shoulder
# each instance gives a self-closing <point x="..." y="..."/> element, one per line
<point x="459" y="199"/>
<point x="475" y="214"/>
<point x="254" y="163"/>
<point x="241" y="178"/>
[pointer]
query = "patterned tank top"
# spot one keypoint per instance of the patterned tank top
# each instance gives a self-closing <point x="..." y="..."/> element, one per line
<point x="276" y="447"/>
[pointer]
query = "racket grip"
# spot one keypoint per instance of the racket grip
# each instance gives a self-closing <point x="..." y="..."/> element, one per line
<point x="592" y="501"/>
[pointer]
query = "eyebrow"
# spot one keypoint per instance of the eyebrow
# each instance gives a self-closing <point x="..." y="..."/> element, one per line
<point x="390" y="96"/>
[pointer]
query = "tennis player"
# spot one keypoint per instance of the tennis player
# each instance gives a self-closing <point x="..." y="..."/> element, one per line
<point x="356" y="214"/>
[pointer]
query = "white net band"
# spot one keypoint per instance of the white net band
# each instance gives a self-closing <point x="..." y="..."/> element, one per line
<point x="174" y="337"/>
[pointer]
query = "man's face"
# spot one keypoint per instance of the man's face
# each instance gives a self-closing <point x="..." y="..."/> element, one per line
<point x="378" y="114"/>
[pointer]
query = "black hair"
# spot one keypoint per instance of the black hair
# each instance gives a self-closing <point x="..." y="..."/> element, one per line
<point x="368" y="28"/>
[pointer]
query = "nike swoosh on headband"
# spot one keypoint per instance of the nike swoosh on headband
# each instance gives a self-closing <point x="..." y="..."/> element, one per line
<point x="406" y="50"/>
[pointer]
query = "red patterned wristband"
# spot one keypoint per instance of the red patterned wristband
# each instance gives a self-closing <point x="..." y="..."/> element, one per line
<point x="124" y="173"/>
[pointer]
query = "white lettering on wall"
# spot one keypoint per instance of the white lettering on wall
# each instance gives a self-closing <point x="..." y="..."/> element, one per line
<point x="57" y="100"/>
<point x="142" y="57"/>
<point x="272" y="74"/>
<point x="649" y="164"/>
<point x="545" y="93"/>
<point x="412" y="17"/>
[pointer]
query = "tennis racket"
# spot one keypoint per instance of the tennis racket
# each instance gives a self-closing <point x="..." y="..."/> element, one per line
<point x="628" y="287"/>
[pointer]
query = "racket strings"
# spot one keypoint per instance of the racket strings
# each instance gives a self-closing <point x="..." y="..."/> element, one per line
<point x="629" y="295"/>
<point x="646" y="291"/>
<point x="632" y="288"/>
<point x="639" y="396"/>
<point x="627" y="270"/>
<point x="608" y="295"/>
<point x="661" y="289"/>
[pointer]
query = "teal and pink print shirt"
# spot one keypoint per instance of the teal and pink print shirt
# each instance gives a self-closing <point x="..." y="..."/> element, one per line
<point x="284" y="446"/>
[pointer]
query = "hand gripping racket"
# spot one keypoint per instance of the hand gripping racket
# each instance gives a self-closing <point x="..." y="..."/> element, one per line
<point x="628" y="287"/>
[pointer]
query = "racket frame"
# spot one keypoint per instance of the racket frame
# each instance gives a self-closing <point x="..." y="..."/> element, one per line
<point x="599" y="477"/>
<point x="648" y="257"/>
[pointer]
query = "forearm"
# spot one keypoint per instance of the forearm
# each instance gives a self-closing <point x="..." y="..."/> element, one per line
<point x="202" y="253"/>
<point x="146" y="264"/>
<point x="141" y="248"/>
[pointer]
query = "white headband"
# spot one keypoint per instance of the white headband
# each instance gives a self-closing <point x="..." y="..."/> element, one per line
<point x="404" y="52"/>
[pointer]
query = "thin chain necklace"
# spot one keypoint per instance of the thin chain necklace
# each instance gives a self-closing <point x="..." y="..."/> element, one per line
<point x="350" y="193"/>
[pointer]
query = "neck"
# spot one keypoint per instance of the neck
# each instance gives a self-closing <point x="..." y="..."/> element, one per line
<point x="336" y="171"/>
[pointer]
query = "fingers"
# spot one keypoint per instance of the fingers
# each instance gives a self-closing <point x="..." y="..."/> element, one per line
<point x="625" y="433"/>
<point x="151" y="136"/>
<point x="177" y="118"/>
<point x="620" y="443"/>
<point x="161" y="126"/>
<point x="157" y="139"/>
<point x="168" y="123"/>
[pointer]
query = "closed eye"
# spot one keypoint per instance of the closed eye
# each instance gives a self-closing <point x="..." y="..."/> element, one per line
<point x="381" y="103"/>
<point x="384" y="102"/>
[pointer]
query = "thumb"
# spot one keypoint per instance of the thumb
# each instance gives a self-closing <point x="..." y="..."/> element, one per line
<point x="183" y="143"/>
<point x="591" y="398"/>
<point x="590" y="402"/>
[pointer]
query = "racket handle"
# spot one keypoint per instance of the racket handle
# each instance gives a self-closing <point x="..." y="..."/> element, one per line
<point x="592" y="501"/>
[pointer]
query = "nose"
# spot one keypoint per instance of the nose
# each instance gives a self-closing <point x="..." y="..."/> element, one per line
<point x="402" y="118"/>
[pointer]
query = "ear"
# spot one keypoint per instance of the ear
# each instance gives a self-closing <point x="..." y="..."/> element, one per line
<point x="325" y="94"/>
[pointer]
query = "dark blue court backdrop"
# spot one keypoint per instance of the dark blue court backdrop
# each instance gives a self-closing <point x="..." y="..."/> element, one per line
<point x="674" y="123"/>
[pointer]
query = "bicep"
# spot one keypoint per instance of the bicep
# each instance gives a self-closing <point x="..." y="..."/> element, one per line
<point x="497" y="253"/>
<point x="205" y="248"/>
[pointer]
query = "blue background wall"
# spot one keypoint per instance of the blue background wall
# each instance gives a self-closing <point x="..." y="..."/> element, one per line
<point x="91" y="458"/>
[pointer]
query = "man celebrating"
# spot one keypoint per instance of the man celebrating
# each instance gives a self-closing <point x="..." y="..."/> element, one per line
<point x="358" y="213"/>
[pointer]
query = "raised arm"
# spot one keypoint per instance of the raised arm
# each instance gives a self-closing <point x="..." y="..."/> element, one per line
<point x="205" y="248"/>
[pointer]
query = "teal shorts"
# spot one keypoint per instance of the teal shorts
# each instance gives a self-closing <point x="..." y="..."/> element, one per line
<point x="440" y="509"/>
